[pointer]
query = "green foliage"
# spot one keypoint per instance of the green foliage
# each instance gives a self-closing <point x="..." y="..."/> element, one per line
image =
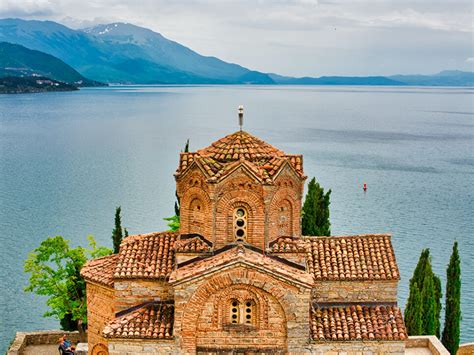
<point x="173" y="223"/>
<point x="118" y="232"/>
<point x="451" y="331"/>
<point x="186" y="146"/>
<point x="413" y="319"/>
<point x="428" y="300"/>
<point x="425" y="295"/>
<point x="54" y="269"/>
<point x="316" y="211"/>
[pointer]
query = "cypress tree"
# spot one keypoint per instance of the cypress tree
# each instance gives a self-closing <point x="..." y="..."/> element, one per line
<point x="117" y="234"/>
<point x="451" y="331"/>
<point x="414" y="319"/>
<point x="428" y="300"/>
<point x="315" y="219"/>
<point x="438" y="296"/>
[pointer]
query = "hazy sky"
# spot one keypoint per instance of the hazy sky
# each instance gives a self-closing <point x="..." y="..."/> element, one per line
<point x="299" y="37"/>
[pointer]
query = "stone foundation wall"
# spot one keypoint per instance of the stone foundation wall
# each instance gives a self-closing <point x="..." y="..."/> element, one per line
<point x="142" y="347"/>
<point x="129" y="293"/>
<point x="100" y="309"/>
<point x="358" y="348"/>
<point x="430" y="342"/>
<point x="46" y="337"/>
<point x="355" y="291"/>
<point x="466" y="349"/>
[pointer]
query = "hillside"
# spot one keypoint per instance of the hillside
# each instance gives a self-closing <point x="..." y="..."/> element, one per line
<point x="444" y="78"/>
<point x="26" y="85"/>
<point x="16" y="60"/>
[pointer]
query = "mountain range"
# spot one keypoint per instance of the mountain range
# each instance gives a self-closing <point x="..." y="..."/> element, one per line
<point x="128" y="54"/>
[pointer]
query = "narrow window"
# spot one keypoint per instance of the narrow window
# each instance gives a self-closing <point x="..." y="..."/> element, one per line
<point x="234" y="312"/>
<point x="249" y="312"/>
<point x="240" y="224"/>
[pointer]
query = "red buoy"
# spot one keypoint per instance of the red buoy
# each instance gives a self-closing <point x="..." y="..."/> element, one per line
<point x="365" y="186"/>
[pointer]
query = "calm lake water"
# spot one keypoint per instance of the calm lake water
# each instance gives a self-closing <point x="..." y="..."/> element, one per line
<point x="68" y="159"/>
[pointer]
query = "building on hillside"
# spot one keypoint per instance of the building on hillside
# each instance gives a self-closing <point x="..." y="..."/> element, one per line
<point x="239" y="278"/>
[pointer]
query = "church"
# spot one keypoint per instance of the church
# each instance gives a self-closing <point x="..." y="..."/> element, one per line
<point x="239" y="277"/>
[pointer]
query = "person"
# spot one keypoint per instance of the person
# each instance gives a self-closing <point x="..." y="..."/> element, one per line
<point x="65" y="346"/>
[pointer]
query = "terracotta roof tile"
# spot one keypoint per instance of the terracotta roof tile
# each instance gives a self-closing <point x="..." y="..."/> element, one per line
<point x="152" y="321"/>
<point x="222" y="156"/>
<point x="240" y="145"/>
<point x="100" y="270"/>
<point x="357" y="322"/>
<point x="146" y="256"/>
<point x="360" y="257"/>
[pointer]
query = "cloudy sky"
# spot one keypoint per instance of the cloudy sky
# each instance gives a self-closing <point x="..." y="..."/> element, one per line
<point x="298" y="38"/>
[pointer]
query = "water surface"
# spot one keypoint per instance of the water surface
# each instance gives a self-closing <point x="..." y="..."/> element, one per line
<point x="68" y="159"/>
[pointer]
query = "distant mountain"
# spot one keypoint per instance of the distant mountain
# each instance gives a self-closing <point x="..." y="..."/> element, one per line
<point x="16" y="60"/>
<point x="125" y="53"/>
<point x="444" y="78"/>
<point x="336" y="80"/>
<point x="27" y="85"/>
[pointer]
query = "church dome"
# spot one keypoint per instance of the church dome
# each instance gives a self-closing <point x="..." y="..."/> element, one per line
<point x="240" y="145"/>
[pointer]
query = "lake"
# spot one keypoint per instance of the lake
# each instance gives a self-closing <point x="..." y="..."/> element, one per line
<point x="68" y="159"/>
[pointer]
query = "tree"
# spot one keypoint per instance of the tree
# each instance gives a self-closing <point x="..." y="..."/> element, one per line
<point x="452" y="319"/>
<point x="428" y="300"/>
<point x="428" y="285"/>
<point x="316" y="211"/>
<point x="54" y="269"/>
<point x="413" y="320"/>
<point x="173" y="223"/>
<point x="118" y="232"/>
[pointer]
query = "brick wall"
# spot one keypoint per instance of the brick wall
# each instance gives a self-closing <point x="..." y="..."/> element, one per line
<point x="100" y="309"/>
<point x="136" y="347"/>
<point x="358" y="348"/>
<point x="129" y="293"/>
<point x="355" y="291"/>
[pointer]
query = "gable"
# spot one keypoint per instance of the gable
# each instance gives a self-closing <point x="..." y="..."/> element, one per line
<point x="238" y="255"/>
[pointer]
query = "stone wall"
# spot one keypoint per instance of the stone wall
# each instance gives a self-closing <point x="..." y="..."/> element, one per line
<point x="141" y="347"/>
<point x="430" y="342"/>
<point x="129" y="293"/>
<point x="358" y="348"/>
<point x="46" y="337"/>
<point x="355" y="291"/>
<point x="466" y="349"/>
<point x="100" y="309"/>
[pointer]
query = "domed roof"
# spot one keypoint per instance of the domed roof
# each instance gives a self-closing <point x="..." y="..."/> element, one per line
<point x="240" y="148"/>
<point x="240" y="145"/>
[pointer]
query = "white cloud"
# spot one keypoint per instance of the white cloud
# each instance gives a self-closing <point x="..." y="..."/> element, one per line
<point x="18" y="8"/>
<point x="470" y="60"/>
<point x="292" y="37"/>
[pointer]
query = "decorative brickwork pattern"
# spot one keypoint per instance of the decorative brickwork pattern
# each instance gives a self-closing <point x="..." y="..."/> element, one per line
<point x="146" y="256"/>
<point x="288" y="245"/>
<point x="357" y="322"/>
<point x="152" y="321"/>
<point x="100" y="270"/>
<point x="360" y="257"/>
<point x="192" y="244"/>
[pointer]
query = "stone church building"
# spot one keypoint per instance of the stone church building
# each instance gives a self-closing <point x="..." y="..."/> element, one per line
<point x="238" y="277"/>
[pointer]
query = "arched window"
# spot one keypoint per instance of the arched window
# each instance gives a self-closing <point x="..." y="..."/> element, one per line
<point x="240" y="224"/>
<point x="242" y="313"/>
